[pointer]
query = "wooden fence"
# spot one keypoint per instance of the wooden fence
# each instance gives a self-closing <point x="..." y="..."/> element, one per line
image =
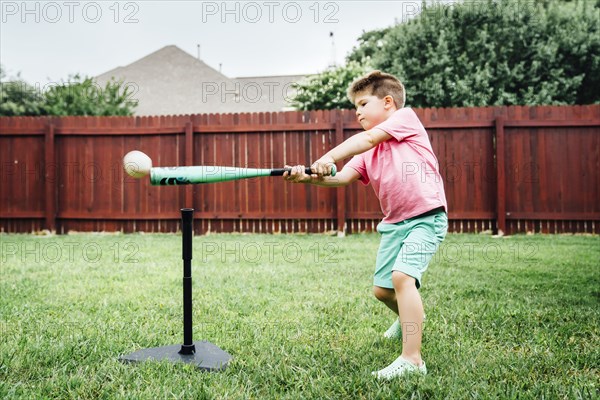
<point x="514" y="169"/>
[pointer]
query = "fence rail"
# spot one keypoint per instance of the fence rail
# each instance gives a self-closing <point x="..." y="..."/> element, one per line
<point x="509" y="169"/>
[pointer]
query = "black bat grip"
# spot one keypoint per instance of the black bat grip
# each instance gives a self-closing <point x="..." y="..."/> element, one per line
<point x="280" y="171"/>
<point x="307" y="171"/>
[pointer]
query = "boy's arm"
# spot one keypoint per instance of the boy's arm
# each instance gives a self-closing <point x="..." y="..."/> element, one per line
<point x="345" y="177"/>
<point x="352" y="146"/>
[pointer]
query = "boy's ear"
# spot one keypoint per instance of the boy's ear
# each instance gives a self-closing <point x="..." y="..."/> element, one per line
<point x="389" y="101"/>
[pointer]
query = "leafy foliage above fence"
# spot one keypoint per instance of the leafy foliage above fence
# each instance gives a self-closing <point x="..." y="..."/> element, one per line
<point x="480" y="53"/>
<point x="76" y="96"/>
<point x="327" y="91"/>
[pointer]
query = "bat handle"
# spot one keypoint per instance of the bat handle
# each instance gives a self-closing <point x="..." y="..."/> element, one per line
<point x="307" y="171"/>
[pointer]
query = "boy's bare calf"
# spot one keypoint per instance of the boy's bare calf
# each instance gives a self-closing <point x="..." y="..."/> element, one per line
<point x="410" y="308"/>
<point x="387" y="297"/>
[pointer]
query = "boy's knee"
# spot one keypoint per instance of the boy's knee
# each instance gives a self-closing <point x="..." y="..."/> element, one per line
<point x="383" y="294"/>
<point x="400" y="279"/>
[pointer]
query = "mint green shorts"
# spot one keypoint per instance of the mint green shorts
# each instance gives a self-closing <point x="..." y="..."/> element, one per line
<point x="408" y="246"/>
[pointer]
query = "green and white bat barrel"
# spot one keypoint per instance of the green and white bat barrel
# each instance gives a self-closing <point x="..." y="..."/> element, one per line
<point x="205" y="174"/>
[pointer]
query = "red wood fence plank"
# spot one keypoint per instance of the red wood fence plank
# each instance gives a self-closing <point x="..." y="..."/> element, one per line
<point x="501" y="176"/>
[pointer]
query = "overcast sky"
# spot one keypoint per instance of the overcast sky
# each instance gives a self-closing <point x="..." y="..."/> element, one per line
<point x="47" y="41"/>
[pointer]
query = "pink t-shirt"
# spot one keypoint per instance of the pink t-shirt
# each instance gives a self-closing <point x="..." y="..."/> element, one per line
<point x="403" y="170"/>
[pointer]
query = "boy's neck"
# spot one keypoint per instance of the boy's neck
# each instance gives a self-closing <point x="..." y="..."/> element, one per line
<point x="389" y="113"/>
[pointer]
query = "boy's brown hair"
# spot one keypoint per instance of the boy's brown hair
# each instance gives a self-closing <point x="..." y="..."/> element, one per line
<point x="379" y="84"/>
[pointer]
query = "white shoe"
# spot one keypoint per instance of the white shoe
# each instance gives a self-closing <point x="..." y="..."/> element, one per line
<point x="398" y="368"/>
<point x="395" y="331"/>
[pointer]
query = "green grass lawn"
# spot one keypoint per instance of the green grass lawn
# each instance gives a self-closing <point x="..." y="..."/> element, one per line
<point x="513" y="317"/>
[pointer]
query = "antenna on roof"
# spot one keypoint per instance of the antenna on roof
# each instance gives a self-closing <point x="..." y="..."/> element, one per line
<point x="333" y="62"/>
<point x="198" y="50"/>
<point x="220" y="66"/>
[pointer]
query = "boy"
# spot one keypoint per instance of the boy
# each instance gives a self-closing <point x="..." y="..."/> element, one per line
<point x="394" y="155"/>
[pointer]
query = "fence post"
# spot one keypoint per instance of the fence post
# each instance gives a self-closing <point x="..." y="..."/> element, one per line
<point x="189" y="161"/>
<point x="340" y="191"/>
<point x="49" y="178"/>
<point x="500" y="177"/>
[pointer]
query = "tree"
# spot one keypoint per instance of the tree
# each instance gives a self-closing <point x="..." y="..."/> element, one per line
<point x="83" y="96"/>
<point x="368" y="44"/>
<point x="479" y="53"/>
<point x="77" y="96"/>
<point x="17" y="97"/>
<point x="328" y="90"/>
<point x="496" y="53"/>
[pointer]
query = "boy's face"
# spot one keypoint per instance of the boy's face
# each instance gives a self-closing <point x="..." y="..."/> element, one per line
<point x="371" y="110"/>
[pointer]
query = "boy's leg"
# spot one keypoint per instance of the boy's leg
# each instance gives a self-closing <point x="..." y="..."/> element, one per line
<point x="410" y="308"/>
<point x="387" y="297"/>
<point x="422" y="242"/>
<point x="423" y="238"/>
<point x="383" y="288"/>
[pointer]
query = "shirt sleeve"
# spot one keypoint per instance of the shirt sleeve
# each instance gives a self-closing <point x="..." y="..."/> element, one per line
<point x="402" y="125"/>
<point x="357" y="163"/>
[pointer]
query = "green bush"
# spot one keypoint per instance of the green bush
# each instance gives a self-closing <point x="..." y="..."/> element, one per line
<point x="77" y="96"/>
<point x="83" y="96"/>
<point x="496" y="53"/>
<point x="481" y="53"/>
<point x="17" y="97"/>
<point x="327" y="90"/>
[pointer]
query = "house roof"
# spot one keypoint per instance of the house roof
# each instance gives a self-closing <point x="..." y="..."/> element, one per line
<point x="171" y="81"/>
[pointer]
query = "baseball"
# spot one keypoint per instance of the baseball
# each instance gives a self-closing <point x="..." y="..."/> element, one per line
<point x="137" y="164"/>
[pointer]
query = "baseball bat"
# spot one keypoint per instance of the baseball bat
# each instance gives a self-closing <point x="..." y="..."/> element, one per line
<point x="206" y="174"/>
<point x="138" y="165"/>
